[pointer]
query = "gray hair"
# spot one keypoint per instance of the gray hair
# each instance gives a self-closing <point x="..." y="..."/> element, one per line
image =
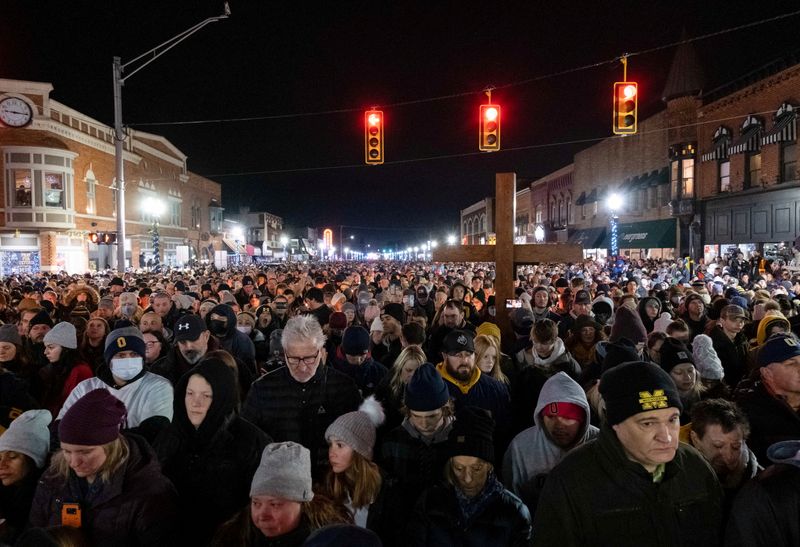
<point x="303" y="329"/>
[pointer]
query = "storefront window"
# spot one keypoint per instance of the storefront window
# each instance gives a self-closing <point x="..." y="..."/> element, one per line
<point x="725" y="176"/>
<point x="53" y="190"/>
<point x="788" y="161"/>
<point x="22" y="183"/>
<point x="687" y="180"/>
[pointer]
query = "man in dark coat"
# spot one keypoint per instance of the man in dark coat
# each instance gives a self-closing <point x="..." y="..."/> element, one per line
<point x="635" y="484"/>
<point x="299" y="401"/>
<point x="221" y="321"/>
<point x="352" y="358"/>
<point x="730" y="343"/>
<point x="772" y="400"/>
<point x="765" y="511"/>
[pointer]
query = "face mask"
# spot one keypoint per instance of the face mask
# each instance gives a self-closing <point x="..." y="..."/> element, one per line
<point x="127" y="309"/>
<point x="247" y="329"/>
<point x="218" y="328"/>
<point x="127" y="368"/>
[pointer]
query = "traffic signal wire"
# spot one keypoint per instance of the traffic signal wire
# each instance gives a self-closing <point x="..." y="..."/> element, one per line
<point x="473" y="92"/>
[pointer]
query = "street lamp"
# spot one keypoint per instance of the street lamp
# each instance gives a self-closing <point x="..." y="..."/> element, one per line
<point x="451" y="239"/>
<point x="154" y="208"/>
<point x="119" y="133"/>
<point x="614" y="203"/>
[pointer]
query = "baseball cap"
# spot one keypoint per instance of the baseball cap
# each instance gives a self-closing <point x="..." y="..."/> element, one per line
<point x="189" y="328"/>
<point x="457" y="341"/>
<point x="777" y="349"/>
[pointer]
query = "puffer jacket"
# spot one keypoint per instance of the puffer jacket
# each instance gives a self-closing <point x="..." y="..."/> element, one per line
<point x="505" y="521"/>
<point x="137" y="507"/>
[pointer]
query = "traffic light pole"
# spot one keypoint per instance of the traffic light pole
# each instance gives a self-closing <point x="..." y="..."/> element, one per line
<point x="119" y="133"/>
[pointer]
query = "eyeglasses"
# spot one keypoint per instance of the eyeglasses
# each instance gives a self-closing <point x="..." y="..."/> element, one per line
<point x="308" y="360"/>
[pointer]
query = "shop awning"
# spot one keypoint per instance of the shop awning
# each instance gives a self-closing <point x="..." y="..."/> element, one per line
<point x="234" y="247"/>
<point x="719" y="152"/>
<point x="785" y="129"/>
<point x="748" y="141"/>
<point x="650" y="234"/>
<point x="592" y="197"/>
<point x="581" y="199"/>
<point x="589" y="238"/>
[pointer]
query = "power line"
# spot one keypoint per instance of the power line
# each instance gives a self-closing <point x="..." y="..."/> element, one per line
<point x="473" y="92"/>
<point x="468" y="154"/>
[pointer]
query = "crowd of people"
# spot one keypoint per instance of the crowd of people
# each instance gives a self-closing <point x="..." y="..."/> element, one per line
<point x="381" y="404"/>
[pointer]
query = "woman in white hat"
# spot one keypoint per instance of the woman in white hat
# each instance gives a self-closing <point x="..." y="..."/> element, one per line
<point x="65" y="369"/>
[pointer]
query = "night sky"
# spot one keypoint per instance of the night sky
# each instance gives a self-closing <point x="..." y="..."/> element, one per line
<point x="280" y="58"/>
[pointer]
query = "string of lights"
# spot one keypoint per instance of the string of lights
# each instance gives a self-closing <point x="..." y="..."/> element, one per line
<point x="473" y="92"/>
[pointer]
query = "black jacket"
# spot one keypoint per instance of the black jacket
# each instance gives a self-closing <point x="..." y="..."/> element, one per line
<point x="505" y="521"/>
<point x="732" y="353"/>
<point x="234" y="342"/>
<point x="290" y="411"/>
<point x="771" y="419"/>
<point x="597" y="496"/>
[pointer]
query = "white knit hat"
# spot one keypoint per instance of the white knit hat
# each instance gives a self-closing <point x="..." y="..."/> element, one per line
<point x="284" y="472"/>
<point x="706" y="359"/>
<point x="28" y="434"/>
<point x="62" y="334"/>
<point x="377" y="325"/>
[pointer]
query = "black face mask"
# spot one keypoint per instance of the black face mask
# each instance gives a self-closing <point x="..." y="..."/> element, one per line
<point x="217" y="327"/>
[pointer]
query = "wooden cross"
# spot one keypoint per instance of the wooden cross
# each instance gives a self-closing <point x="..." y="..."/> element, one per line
<point x="505" y="254"/>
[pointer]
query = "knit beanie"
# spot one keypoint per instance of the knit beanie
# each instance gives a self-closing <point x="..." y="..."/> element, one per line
<point x="9" y="333"/>
<point x="371" y="313"/>
<point x="472" y="434"/>
<point x="337" y="320"/>
<point x="632" y="388"/>
<point x="771" y="319"/>
<point x="343" y="534"/>
<point x="376" y="326"/>
<point x="28" y="434"/>
<point x="63" y="334"/>
<point x="124" y="339"/>
<point x="621" y="351"/>
<point x="95" y="419"/>
<point x="426" y="391"/>
<point x="41" y="318"/>
<point x="355" y="340"/>
<point x="663" y="321"/>
<point x="357" y="429"/>
<point x="488" y="329"/>
<point x="284" y="472"/>
<point x="628" y="324"/>
<point x="706" y="359"/>
<point x="394" y="310"/>
<point x="673" y="353"/>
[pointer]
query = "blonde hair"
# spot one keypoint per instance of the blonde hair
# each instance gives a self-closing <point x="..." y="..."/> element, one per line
<point x="361" y="482"/>
<point x="482" y="344"/>
<point x="117" y="452"/>
<point x="410" y="353"/>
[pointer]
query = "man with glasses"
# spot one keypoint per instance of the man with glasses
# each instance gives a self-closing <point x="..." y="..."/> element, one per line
<point x="299" y="401"/>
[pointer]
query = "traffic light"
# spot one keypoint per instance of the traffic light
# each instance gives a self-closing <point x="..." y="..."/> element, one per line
<point x="489" y="134"/>
<point x="373" y="137"/>
<point x="109" y="238"/>
<point x="102" y="238"/>
<point x="626" y="99"/>
<point x="93" y="237"/>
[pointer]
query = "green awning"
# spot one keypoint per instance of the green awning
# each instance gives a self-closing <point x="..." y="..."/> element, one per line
<point x="650" y="234"/>
<point x="590" y="238"/>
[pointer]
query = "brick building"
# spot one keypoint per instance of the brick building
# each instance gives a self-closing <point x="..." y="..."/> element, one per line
<point x="713" y="172"/>
<point x="59" y="186"/>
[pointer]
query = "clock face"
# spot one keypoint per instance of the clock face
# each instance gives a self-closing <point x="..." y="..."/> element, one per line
<point x="15" y="112"/>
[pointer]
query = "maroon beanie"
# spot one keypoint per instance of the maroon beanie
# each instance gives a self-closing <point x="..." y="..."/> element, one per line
<point x="338" y="320"/>
<point x="628" y="324"/>
<point x="95" y="419"/>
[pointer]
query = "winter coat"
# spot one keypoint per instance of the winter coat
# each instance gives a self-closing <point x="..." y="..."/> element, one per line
<point x="14" y="399"/>
<point x="288" y="410"/>
<point x="234" y="342"/>
<point x="532" y="454"/>
<point x="367" y="375"/>
<point x="136" y="507"/>
<point x="533" y="374"/>
<point x="59" y="381"/>
<point x="732" y="354"/>
<point x="15" y="506"/>
<point x="771" y="419"/>
<point x="505" y="521"/>
<point x="597" y="496"/>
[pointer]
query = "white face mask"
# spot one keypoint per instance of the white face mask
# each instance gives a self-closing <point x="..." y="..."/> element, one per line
<point x="127" y="368"/>
<point x="247" y="329"/>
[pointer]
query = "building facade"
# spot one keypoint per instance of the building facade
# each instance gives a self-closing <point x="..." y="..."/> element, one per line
<point x="59" y="187"/>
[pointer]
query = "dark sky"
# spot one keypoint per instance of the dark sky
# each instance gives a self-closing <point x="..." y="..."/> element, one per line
<point x="277" y="58"/>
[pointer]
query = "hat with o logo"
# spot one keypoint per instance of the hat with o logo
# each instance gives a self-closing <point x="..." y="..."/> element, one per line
<point x="124" y="339"/>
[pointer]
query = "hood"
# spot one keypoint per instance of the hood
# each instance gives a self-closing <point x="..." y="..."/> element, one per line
<point x="768" y="320"/>
<point x="227" y="311"/>
<point x="560" y="388"/>
<point x="648" y="323"/>
<point x="787" y="452"/>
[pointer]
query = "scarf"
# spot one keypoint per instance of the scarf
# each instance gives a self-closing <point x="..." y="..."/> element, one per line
<point x="468" y="508"/>
<point x="438" y="437"/>
<point x="463" y="387"/>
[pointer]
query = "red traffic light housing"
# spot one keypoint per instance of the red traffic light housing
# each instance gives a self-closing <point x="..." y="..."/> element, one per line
<point x="373" y="137"/>
<point x="626" y="100"/>
<point x="489" y="132"/>
<point x="93" y="237"/>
